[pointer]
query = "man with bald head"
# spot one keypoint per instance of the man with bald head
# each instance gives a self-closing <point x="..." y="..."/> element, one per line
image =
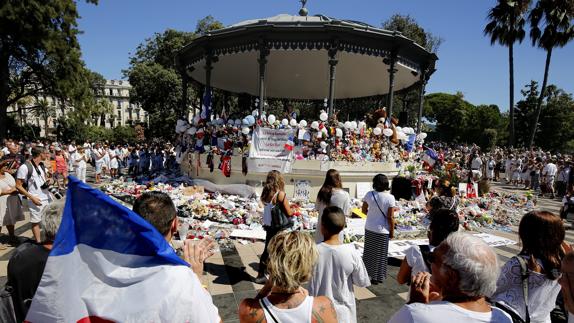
<point x="465" y="270"/>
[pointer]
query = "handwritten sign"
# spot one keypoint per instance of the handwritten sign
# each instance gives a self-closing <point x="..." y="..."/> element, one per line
<point x="302" y="190"/>
<point x="270" y="143"/>
<point x="267" y="150"/>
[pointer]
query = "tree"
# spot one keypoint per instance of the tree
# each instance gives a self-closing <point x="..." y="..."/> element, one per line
<point x="450" y="112"/>
<point x="506" y="27"/>
<point x="206" y="25"/>
<point x="156" y="84"/>
<point x="409" y="27"/>
<point x="39" y="51"/>
<point x="525" y="110"/>
<point x="551" y="27"/>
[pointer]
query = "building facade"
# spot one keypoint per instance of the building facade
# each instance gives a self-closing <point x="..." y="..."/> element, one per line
<point x="38" y="111"/>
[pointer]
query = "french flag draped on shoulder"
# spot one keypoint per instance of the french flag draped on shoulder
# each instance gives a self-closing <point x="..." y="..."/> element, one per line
<point x="110" y="265"/>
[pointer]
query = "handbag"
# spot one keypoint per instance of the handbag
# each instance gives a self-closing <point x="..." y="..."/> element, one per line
<point x="279" y="220"/>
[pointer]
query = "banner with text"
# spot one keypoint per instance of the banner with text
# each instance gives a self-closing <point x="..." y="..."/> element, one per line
<point x="268" y="150"/>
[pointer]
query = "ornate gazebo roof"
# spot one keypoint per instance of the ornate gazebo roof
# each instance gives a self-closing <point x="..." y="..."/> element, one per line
<point x="297" y="52"/>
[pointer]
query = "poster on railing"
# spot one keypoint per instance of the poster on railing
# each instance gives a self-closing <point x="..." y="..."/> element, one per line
<point x="271" y="149"/>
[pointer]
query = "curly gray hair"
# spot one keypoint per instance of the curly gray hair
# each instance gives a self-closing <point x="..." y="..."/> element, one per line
<point x="474" y="261"/>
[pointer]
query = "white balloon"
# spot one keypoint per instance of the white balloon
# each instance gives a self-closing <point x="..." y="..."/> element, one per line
<point x="399" y="129"/>
<point x="354" y="125"/>
<point x="362" y="125"/>
<point x="347" y="125"/>
<point x="271" y="119"/>
<point x="245" y="122"/>
<point x="377" y="131"/>
<point x="388" y="132"/>
<point x="237" y="122"/>
<point x="293" y="123"/>
<point x="424" y="135"/>
<point x="192" y="130"/>
<point x="323" y="144"/>
<point x="339" y="133"/>
<point x="230" y="122"/>
<point x="245" y="130"/>
<point x="302" y="123"/>
<point x="408" y="130"/>
<point x="315" y="125"/>
<point x="323" y="116"/>
<point x="285" y="122"/>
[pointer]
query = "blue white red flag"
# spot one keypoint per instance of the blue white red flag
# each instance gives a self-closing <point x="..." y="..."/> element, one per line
<point x="109" y="264"/>
<point x="290" y="143"/>
<point x="206" y="105"/>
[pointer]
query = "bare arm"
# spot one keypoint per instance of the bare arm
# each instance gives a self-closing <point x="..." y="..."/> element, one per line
<point x="286" y="205"/>
<point x="391" y="215"/>
<point x="405" y="271"/>
<point x="323" y="310"/>
<point x="250" y="311"/>
<point x="365" y="207"/>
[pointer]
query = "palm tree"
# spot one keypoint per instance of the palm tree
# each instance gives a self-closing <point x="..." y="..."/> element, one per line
<point x="506" y="27"/>
<point x="557" y="30"/>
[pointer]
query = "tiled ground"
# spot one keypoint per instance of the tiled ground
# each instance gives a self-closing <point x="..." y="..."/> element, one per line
<point x="229" y="275"/>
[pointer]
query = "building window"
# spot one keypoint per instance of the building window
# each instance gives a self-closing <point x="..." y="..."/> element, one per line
<point x="119" y="104"/>
<point x="111" y="92"/>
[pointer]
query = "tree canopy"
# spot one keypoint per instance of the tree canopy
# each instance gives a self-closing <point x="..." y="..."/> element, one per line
<point x="409" y="27"/>
<point x="40" y="53"/>
<point x="156" y="84"/>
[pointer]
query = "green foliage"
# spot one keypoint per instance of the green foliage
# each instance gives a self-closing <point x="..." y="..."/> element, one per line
<point x="124" y="135"/>
<point x="40" y="52"/>
<point x="24" y="132"/>
<point x="98" y="134"/>
<point x="156" y="84"/>
<point x="409" y="27"/>
<point x="206" y="25"/>
<point x="506" y="22"/>
<point x="460" y="121"/>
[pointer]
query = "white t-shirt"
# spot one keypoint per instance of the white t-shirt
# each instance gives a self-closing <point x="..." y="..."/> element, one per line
<point x="338" y="268"/>
<point x="79" y="160"/>
<point x="476" y="163"/>
<point x="550" y="170"/>
<point x="446" y="312"/>
<point x="377" y="221"/>
<point x="36" y="181"/>
<point x="542" y="292"/>
<point x="415" y="260"/>
<point x="339" y="198"/>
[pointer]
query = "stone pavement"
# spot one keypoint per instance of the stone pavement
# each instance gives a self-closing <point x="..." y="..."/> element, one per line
<point x="230" y="271"/>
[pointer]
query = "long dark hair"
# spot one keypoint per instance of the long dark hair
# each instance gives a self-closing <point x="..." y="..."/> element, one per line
<point x="332" y="180"/>
<point x="542" y="234"/>
<point x="273" y="184"/>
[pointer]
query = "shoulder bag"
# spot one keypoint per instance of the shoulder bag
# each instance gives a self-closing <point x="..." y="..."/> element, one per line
<point x="279" y="220"/>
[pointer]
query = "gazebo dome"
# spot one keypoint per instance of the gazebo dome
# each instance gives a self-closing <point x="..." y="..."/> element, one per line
<point x="297" y="57"/>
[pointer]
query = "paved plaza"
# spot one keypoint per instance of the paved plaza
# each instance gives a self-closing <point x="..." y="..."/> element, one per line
<point x="230" y="271"/>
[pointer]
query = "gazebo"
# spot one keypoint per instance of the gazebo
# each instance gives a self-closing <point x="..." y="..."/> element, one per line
<point x="306" y="57"/>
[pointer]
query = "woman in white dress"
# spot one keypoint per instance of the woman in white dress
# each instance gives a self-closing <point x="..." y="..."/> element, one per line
<point x="113" y="162"/>
<point x="542" y="235"/>
<point x="331" y="194"/>
<point x="80" y="162"/>
<point x="10" y="204"/>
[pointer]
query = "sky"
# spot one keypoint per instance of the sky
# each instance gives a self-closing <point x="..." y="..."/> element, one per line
<point x="467" y="62"/>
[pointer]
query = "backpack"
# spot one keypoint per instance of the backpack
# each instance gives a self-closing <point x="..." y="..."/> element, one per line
<point x="30" y="168"/>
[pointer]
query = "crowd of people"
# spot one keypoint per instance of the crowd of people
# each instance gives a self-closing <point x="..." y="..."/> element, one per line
<point x="455" y="277"/>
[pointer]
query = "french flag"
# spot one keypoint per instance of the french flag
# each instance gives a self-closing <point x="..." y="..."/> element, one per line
<point x="206" y="105"/>
<point x="430" y="156"/>
<point x="290" y="143"/>
<point x="110" y="265"/>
